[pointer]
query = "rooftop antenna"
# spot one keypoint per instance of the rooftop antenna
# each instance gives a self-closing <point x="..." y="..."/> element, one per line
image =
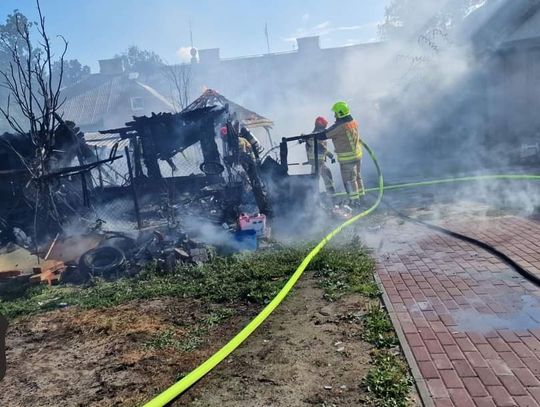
<point x="191" y="33"/>
<point x="267" y="36"/>
<point x="193" y="51"/>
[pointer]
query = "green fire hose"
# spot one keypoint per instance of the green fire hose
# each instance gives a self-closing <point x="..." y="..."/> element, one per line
<point x="194" y="376"/>
<point x="497" y="177"/>
<point x="181" y="386"/>
<point x="461" y="179"/>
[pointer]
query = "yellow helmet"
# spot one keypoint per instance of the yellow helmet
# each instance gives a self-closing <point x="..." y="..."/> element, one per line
<point x="341" y="109"/>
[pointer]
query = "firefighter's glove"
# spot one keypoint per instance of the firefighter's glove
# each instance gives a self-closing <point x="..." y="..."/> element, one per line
<point x="258" y="148"/>
<point x="332" y="158"/>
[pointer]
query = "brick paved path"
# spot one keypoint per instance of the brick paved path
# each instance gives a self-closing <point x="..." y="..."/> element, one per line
<point x="471" y="322"/>
<point x="518" y="238"/>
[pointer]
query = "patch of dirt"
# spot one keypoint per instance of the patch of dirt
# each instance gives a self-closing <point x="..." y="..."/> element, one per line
<point x="309" y="353"/>
<point x="76" y="357"/>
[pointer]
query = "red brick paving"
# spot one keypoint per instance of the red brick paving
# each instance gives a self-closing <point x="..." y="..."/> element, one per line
<point x="522" y="246"/>
<point x="471" y="322"/>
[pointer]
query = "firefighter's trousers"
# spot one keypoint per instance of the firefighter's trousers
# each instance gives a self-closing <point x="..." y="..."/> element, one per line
<point x="326" y="176"/>
<point x="350" y="173"/>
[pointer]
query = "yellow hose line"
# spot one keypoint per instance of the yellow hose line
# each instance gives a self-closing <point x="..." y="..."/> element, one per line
<point x="194" y="376"/>
<point x="460" y="179"/>
<point x="181" y="386"/>
<point x="452" y="180"/>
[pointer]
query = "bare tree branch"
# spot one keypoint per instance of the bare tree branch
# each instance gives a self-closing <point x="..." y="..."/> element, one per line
<point x="29" y="80"/>
<point x="179" y="77"/>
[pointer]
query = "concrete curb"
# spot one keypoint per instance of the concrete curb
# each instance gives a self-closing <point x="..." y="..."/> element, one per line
<point x="421" y="385"/>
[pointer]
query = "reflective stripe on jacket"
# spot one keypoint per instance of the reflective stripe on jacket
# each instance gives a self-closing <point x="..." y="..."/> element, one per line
<point x="344" y="134"/>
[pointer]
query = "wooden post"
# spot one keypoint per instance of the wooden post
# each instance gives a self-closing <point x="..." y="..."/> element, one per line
<point x="316" y="163"/>
<point x="283" y="155"/>
<point x="133" y="190"/>
<point x="99" y="168"/>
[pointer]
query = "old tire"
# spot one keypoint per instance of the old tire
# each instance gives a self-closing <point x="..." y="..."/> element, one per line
<point x="123" y="243"/>
<point x="102" y="261"/>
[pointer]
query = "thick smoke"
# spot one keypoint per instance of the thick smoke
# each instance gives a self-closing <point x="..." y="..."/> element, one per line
<point x="425" y="99"/>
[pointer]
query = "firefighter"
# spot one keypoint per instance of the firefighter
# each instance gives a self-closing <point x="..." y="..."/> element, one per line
<point x="320" y="125"/>
<point x="244" y="134"/>
<point x="246" y="153"/>
<point x="348" y="148"/>
<point x="244" y="146"/>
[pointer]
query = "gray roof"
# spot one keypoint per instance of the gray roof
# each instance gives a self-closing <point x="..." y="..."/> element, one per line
<point x="90" y="106"/>
<point x="89" y="101"/>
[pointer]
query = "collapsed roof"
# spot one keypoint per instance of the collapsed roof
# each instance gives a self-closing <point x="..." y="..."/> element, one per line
<point x="247" y="117"/>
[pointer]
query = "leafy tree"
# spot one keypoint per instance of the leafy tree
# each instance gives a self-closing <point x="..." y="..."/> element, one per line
<point x="10" y="36"/>
<point x="412" y="18"/>
<point x="73" y="72"/>
<point x="139" y="60"/>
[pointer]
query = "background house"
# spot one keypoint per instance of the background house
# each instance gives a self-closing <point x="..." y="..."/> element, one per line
<point x="110" y="98"/>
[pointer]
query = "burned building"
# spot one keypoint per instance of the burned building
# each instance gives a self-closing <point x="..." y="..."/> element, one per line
<point x="177" y="157"/>
<point x="147" y="215"/>
<point x="23" y="176"/>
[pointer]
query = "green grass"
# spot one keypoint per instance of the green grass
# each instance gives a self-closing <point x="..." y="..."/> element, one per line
<point x="252" y="278"/>
<point x="388" y="381"/>
<point x="164" y="340"/>
<point x="345" y="269"/>
<point x="194" y="338"/>
<point x="168" y="339"/>
<point x="377" y="328"/>
<point x="246" y="277"/>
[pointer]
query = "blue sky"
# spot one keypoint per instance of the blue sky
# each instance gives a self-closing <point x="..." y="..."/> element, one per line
<point x="98" y="29"/>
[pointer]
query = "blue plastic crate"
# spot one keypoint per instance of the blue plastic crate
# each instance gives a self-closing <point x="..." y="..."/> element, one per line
<point x="246" y="240"/>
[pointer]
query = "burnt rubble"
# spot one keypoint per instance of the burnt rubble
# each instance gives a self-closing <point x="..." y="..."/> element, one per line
<point x="120" y="211"/>
<point x="168" y="221"/>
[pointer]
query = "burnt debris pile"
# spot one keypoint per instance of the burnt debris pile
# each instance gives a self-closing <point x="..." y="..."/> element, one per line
<point x="167" y="189"/>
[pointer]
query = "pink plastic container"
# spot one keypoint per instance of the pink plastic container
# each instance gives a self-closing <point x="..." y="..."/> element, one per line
<point x="255" y="222"/>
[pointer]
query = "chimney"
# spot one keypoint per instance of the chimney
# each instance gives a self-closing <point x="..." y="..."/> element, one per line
<point x="113" y="66"/>
<point x="209" y="56"/>
<point x="308" y="44"/>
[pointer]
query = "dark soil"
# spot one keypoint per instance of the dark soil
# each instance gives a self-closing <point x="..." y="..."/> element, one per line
<point x="309" y="353"/>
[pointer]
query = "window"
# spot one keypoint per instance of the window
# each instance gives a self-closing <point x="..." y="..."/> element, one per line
<point x="137" y="103"/>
